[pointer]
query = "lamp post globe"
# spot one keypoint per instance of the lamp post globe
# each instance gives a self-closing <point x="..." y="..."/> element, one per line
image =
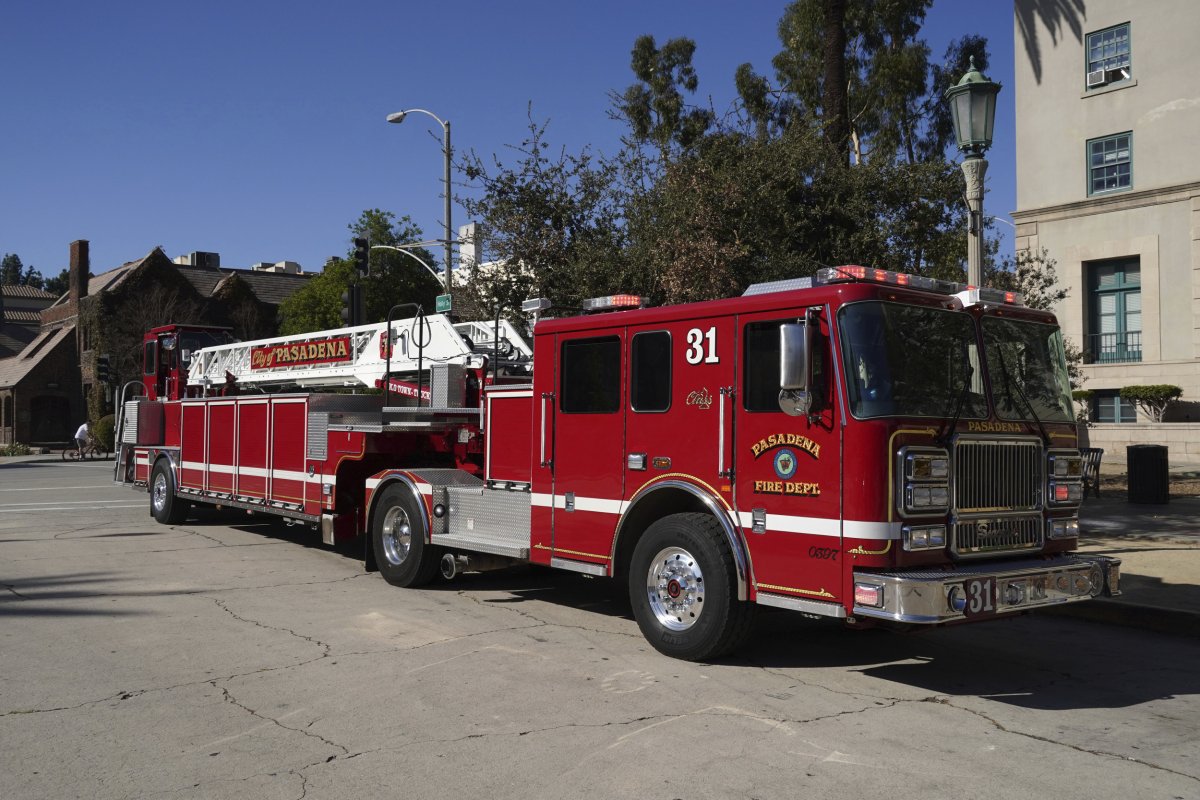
<point x="973" y="111"/>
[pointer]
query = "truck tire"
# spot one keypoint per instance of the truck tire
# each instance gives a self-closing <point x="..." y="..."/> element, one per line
<point x="403" y="556"/>
<point x="683" y="589"/>
<point x="165" y="506"/>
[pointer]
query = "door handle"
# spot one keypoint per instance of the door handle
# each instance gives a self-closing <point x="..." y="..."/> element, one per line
<point x="546" y="396"/>
<point x="724" y="391"/>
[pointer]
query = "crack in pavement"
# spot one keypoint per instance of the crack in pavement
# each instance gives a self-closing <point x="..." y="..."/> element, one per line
<point x="12" y="588"/>
<point x="1045" y="739"/>
<point x="229" y="698"/>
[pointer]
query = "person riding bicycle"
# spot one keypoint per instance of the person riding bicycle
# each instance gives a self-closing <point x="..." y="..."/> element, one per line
<point x="81" y="437"/>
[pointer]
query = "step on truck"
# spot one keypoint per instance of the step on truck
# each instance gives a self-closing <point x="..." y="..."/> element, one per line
<point x="862" y="445"/>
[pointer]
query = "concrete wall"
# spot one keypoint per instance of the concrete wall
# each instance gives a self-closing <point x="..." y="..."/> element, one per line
<point x="1182" y="440"/>
<point x="1057" y="114"/>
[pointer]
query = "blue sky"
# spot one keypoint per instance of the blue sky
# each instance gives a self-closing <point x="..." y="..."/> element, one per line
<point x="257" y="129"/>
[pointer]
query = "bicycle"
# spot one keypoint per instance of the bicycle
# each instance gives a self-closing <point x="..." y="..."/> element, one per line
<point x="92" y="449"/>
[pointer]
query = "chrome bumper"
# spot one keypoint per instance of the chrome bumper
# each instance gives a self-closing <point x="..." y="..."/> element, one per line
<point x="932" y="596"/>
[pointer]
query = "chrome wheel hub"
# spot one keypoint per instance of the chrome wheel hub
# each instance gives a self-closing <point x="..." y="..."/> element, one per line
<point x="397" y="536"/>
<point x="675" y="588"/>
<point x="158" y="495"/>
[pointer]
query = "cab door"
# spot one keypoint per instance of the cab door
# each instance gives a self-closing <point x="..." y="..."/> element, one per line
<point x="588" y="439"/>
<point x="679" y="423"/>
<point x="789" y="471"/>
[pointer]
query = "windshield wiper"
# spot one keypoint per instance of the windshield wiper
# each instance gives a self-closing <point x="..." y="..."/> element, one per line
<point x="1014" y="386"/>
<point x="962" y="396"/>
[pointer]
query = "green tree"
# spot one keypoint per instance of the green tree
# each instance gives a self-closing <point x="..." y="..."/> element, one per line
<point x="11" y="270"/>
<point x="394" y="278"/>
<point x="14" y="273"/>
<point x="655" y="107"/>
<point x="552" y="224"/>
<point x="59" y="284"/>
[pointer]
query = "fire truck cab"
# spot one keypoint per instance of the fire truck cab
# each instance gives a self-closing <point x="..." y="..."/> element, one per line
<point x="861" y="445"/>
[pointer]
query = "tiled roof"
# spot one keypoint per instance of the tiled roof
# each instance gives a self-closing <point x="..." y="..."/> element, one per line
<point x="269" y="287"/>
<point x="13" y="337"/>
<point x="22" y="316"/>
<point x="203" y="279"/>
<point x="13" y="369"/>
<point x="273" y="287"/>
<point x="9" y="290"/>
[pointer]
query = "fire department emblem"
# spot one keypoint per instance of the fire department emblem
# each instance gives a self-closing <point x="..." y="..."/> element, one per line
<point x="785" y="464"/>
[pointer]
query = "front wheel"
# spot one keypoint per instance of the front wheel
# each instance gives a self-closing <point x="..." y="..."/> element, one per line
<point x="683" y="588"/>
<point x="165" y="506"/>
<point x="398" y="536"/>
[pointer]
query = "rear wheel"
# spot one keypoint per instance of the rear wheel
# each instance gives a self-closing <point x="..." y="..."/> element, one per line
<point x="403" y="556"/>
<point x="683" y="588"/>
<point x="165" y="506"/>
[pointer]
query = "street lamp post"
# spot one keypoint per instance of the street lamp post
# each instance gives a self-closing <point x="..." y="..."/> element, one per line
<point x="397" y="118"/>
<point x="973" y="110"/>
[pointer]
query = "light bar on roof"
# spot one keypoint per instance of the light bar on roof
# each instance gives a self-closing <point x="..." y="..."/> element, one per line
<point x="968" y="295"/>
<point x="612" y="302"/>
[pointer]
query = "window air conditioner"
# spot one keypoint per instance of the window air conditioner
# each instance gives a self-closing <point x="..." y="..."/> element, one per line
<point x="1096" y="78"/>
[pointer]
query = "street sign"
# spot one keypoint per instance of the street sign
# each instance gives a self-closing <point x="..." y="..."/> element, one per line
<point x="443" y="303"/>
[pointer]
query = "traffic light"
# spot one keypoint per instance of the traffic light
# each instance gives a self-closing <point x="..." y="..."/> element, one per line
<point x="352" y="307"/>
<point x="102" y="374"/>
<point x="362" y="255"/>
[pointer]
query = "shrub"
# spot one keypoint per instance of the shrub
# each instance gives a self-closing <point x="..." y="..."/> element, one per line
<point x="104" y="431"/>
<point x="1084" y="398"/>
<point x="1152" y="399"/>
<point x="15" y="449"/>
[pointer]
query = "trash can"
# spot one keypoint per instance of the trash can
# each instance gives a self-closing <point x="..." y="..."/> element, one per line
<point x="1147" y="464"/>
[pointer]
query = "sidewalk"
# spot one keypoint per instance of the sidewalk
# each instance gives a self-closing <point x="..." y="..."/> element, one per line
<point x="1159" y="548"/>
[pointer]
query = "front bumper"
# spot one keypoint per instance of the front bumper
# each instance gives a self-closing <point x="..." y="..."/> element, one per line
<point x="983" y="590"/>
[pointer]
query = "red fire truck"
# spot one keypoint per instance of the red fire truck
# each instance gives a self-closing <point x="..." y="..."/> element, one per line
<point x="863" y="445"/>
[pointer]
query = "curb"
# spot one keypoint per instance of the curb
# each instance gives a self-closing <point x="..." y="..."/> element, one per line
<point x="1171" y="621"/>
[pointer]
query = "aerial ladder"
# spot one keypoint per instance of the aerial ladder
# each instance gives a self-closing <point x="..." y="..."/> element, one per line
<point x="358" y="356"/>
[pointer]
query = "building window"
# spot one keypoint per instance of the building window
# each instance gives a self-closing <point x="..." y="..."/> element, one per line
<point x="650" y="381"/>
<point x="1110" y="163"/>
<point x="1108" y="56"/>
<point x="591" y="376"/>
<point x="1107" y="406"/>
<point x="1115" y="290"/>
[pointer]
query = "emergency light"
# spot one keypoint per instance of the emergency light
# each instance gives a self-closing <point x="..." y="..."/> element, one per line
<point x="612" y="302"/>
<point x="968" y="295"/>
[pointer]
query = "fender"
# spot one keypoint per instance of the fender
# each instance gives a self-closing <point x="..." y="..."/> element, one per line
<point x="712" y="503"/>
<point x="382" y="480"/>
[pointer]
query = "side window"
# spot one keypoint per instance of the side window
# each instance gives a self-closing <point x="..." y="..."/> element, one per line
<point x="760" y="355"/>
<point x="590" y="378"/>
<point x="650" y="372"/>
<point x="150" y="359"/>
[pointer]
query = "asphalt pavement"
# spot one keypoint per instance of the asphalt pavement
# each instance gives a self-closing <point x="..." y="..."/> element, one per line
<point x="1159" y="548"/>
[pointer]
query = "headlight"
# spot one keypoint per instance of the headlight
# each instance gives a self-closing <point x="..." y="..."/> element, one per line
<point x="925" y="537"/>
<point x="1062" y="528"/>
<point x="1064" y="471"/>
<point x="1066" y="466"/>
<point x="925" y="483"/>
<point x="926" y="466"/>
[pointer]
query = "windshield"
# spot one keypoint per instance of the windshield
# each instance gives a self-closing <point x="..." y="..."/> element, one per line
<point x="910" y="361"/>
<point x="1028" y="368"/>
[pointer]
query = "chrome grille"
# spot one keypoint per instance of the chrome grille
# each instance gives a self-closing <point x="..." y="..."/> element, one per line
<point x="992" y="475"/>
<point x="992" y="535"/>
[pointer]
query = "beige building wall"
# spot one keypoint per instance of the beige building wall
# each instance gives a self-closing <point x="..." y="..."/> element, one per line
<point x="1156" y="219"/>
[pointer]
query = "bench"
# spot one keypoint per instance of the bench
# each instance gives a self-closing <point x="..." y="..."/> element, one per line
<point x="1091" y="470"/>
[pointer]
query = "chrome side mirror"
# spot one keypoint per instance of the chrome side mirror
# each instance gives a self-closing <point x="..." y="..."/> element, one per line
<point x="795" y="360"/>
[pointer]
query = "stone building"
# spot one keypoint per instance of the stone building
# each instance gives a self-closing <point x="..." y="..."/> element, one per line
<point x="50" y="386"/>
<point x="1107" y="185"/>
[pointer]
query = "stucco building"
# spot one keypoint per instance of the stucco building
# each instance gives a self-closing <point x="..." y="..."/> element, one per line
<point x="1109" y="187"/>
